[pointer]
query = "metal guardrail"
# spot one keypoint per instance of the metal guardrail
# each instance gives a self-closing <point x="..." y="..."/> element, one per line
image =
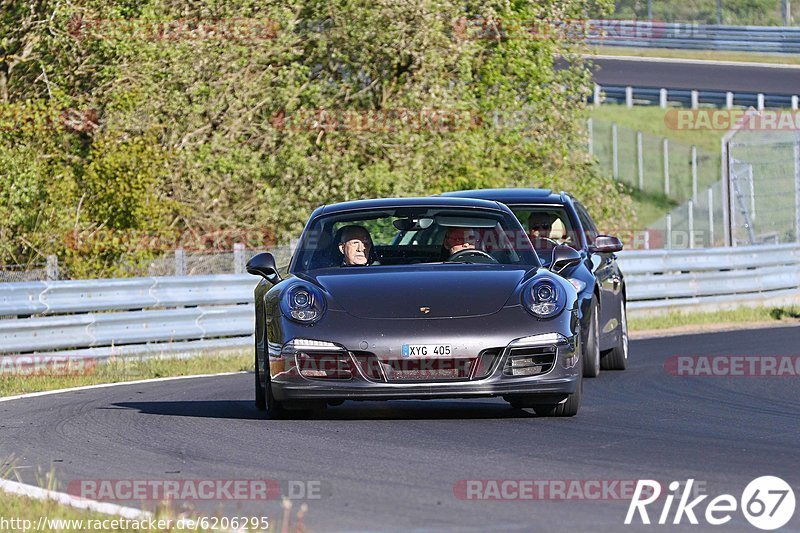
<point x="618" y="94"/>
<point x="692" y="36"/>
<point x="662" y="279"/>
<point x="176" y="315"/>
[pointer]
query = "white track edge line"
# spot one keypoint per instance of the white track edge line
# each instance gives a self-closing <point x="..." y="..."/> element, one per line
<point x="693" y="61"/>
<point x="116" y="384"/>
<point x="37" y="493"/>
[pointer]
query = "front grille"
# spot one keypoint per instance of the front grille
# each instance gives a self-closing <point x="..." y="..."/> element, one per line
<point x="324" y="365"/>
<point x="530" y="361"/>
<point x="430" y="369"/>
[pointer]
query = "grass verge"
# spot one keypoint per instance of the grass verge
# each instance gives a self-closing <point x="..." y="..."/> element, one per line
<point x="742" y="315"/>
<point x="713" y="55"/>
<point x="123" y="370"/>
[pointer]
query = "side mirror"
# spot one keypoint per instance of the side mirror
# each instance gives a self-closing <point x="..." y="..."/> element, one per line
<point x="606" y="244"/>
<point x="263" y="265"/>
<point x="564" y="257"/>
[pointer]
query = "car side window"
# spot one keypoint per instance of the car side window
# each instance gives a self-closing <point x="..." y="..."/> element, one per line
<point x="589" y="229"/>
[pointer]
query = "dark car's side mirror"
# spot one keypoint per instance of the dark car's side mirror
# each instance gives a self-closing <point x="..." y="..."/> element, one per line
<point x="564" y="257"/>
<point x="263" y="265"/>
<point x="606" y="244"/>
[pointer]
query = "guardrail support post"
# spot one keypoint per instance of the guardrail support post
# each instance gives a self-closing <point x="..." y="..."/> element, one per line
<point x="238" y="258"/>
<point x="690" y="206"/>
<point x="52" y="267"/>
<point x="629" y="96"/>
<point x="180" y="262"/>
<point x="760" y="101"/>
<point x="640" y="159"/>
<point x="662" y="98"/>
<point x="728" y="100"/>
<point x="794" y="102"/>
<point x="614" y="152"/>
<point x="596" y="96"/>
<point x="695" y="99"/>
<point x="666" y="166"/>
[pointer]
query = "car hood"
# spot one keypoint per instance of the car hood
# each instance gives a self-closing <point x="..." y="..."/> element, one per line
<point x="441" y="291"/>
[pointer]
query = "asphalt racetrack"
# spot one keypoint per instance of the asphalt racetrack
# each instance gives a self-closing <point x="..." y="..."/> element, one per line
<point x="677" y="74"/>
<point x="403" y="466"/>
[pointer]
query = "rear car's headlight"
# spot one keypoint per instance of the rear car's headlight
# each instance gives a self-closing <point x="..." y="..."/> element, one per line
<point x="303" y="303"/>
<point x="543" y="298"/>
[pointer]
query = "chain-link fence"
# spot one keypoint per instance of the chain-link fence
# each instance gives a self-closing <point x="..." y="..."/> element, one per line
<point x="653" y="165"/>
<point x="177" y="263"/>
<point x="764" y="182"/>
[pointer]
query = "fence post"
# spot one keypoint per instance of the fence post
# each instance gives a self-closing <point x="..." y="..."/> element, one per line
<point x="710" y="217"/>
<point x="668" y="243"/>
<point x="794" y="102"/>
<point x="238" y="258"/>
<point x="614" y="153"/>
<point x="640" y="159"/>
<point x="666" y="166"/>
<point x="797" y="187"/>
<point x="690" y="205"/>
<point x="629" y="96"/>
<point x="590" y="127"/>
<point x="52" y="267"/>
<point x="695" y="99"/>
<point x="596" y="95"/>
<point x="694" y="173"/>
<point x="180" y="262"/>
<point x="662" y="98"/>
<point x="729" y="100"/>
<point x="760" y="101"/>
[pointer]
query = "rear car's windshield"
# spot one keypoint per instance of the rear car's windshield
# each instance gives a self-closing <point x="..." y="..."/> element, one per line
<point x="547" y="226"/>
<point x="417" y="235"/>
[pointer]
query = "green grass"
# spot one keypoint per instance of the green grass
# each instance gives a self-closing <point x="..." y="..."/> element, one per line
<point x="733" y="316"/>
<point x="128" y="370"/>
<point x="780" y="59"/>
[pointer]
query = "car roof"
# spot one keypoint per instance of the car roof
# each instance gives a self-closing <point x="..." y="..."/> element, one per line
<point x="431" y="201"/>
<point x="513" y="196"/>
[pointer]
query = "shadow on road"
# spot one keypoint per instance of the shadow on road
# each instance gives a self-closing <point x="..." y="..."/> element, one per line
<point x="390" y="410"/>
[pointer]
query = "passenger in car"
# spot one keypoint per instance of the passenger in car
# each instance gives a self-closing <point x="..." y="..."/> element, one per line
<point x="540" y="225"/>
<point x="355" y="245"/>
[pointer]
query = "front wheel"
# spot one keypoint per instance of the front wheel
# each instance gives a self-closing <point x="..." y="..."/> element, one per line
<point x="569" y="407"/>
<point x="591" y="348"/>
<point x="617" y="357"/>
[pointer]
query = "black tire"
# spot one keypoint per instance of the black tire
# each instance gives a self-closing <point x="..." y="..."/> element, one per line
<point x="591" y="346"/>
<point x="276" y="409"/>
<point x="617" y="357"/>
<point x="570" y="407"/>
<point x="261" y="400"/>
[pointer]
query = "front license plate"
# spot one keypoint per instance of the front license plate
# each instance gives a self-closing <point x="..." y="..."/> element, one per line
<point x="427" y="350"/>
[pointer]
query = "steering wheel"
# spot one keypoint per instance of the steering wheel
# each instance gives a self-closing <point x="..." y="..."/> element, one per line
<point x="463" y="255"/>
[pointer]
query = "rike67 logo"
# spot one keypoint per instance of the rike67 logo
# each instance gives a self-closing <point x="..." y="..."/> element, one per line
<point x="767" y="502"/>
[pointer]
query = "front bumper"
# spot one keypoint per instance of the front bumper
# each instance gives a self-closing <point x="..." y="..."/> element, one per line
<point x="510" y="338"/>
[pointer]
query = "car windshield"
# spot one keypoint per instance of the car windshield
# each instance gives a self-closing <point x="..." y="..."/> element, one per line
<point x="547" y="226"/>
<point x="417" y="235"/>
